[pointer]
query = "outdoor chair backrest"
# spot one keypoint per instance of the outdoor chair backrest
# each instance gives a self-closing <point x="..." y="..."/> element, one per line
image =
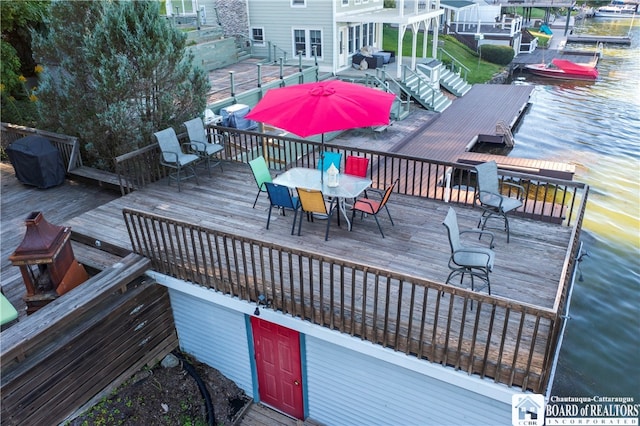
<point x="387" y="194"/>
<point x="328" y="158"/>
<point x="196" y="130"/>
<point x="356" y="166"/>
<point x="487" y="175"/>
<point x="280" y="196"/>
<point x="168" y="142"/>
<point x="451" y="223"/>
<point x="260" y="171"/>
<point x="312" y="200"/>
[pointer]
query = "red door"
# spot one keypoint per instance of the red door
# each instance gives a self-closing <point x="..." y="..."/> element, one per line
<point x="277" y="352"/>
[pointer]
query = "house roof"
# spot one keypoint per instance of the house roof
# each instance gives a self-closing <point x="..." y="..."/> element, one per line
<point x="456" y="4"/>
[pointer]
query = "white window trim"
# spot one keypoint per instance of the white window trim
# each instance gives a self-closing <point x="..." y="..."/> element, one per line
<point x="307" y="42"/>
<point x="344" y="3"/>
<point x="257" y="43"/>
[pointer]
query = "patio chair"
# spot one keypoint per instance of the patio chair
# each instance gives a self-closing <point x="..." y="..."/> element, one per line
<point x="174" y="158"/>
<point x="261" y="174"/>
<point x="373" y="207"/>
<point x="328" y="158"/>
<point x="280" y="197"/>
<point x="489" y="198"/>
<point x="465" y="259"/>
<point x="313" y="203"/>
<point x="356" y="166"/>
<point x="200" y="144"/>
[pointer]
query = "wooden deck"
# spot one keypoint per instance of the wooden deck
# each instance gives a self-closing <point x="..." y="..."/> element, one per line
<point x="527" y="271"/>
<point x="416" y="245"/>
<point x="59" y="204"/>
<point x="452" y="135"/>
<point x="475" y="113"/>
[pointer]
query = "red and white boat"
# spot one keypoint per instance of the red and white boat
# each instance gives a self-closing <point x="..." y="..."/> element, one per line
<point x="565" y="70"/>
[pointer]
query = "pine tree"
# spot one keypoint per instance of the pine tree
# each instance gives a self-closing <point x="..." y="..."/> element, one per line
<point x="115" y="72"/>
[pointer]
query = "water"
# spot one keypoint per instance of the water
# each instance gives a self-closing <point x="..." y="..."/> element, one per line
<point x="596" y="126"/>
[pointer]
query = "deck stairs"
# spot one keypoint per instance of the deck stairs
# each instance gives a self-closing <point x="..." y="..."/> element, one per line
<point x="453" y="82"/>
<point x="423" y="92"/>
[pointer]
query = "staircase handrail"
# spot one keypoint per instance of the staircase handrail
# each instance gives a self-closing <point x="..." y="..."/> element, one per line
<point x="408" y="72"/>
<point x="454" y="63"/>
<point x="384" y="80"/>
<point x="272" y="48"/>
<point x="239" y="37"/>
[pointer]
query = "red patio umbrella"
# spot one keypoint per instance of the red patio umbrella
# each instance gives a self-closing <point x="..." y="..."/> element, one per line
<point x="326" y="106"/>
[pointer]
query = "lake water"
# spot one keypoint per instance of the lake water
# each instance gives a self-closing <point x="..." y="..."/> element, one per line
<point x="596" y="126"/>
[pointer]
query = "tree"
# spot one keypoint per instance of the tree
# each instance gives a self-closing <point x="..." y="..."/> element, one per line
<point x="17" y="19"/>
<point x="115" y="72"/>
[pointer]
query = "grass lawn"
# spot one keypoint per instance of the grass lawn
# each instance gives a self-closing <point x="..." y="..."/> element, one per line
<point x="480" y="71"/>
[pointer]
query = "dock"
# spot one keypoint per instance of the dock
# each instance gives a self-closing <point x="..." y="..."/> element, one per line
<point x="453" y="134"/>
<point x="591" y="38"/>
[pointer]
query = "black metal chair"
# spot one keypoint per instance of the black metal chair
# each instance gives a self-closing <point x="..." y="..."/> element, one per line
<point x="491" y="200"/>
<point x="472" y="260"/>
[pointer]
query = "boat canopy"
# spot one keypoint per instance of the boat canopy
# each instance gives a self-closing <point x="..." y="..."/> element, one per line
<point x="575" y="69"/>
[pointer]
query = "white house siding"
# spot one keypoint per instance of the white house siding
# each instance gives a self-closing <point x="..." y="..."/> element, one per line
<point x="214" y="335"/>
<point x="348" y="388"/>
<point x="279" y="18"/>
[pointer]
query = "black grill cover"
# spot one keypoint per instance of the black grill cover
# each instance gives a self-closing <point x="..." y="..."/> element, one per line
<point x="36" y="162"/>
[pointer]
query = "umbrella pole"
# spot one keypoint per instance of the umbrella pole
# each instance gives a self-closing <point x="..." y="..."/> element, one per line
<point x="322" y="160"/>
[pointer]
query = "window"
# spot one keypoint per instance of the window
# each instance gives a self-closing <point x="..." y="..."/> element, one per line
<point x="351" y="46"/>
<point x="372" y="28"/>
<point x="315" y="38"/>
<point x="299" y="42"/>
<point x="298" y="3"/>
<point x="345" y="2"/>
<point x="357" y="39"/>
<point x="304" y="41"/>
<point x="365" y="32"/>
<point x="257" y="34"/>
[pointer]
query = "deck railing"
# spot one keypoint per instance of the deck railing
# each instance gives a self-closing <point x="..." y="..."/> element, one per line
<point x="510" y="342"/>
<point x="68" y="146"/>
<point x="548" y="199"/>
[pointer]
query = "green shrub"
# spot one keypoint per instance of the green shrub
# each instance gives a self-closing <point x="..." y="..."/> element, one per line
<point x="501" y="55"/>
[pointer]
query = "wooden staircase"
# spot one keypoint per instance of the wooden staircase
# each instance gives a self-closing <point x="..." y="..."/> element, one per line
<point x="421" y="90"/>
<point x="453" y="82"/>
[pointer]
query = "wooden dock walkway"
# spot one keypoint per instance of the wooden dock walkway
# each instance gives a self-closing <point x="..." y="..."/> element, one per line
<point x="452" y="135"/>
<point x="592" y="38"/>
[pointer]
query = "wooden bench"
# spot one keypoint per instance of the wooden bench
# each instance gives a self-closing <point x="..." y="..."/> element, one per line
<point x="102" y="177"/>
<point x="380" y="129"/>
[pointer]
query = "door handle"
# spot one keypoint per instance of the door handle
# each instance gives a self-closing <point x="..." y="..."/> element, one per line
<point x="297" y="383"/>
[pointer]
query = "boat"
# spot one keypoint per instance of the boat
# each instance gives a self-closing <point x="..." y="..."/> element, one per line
<point x="617" y="10"/>
<point x="565" y="70"/>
